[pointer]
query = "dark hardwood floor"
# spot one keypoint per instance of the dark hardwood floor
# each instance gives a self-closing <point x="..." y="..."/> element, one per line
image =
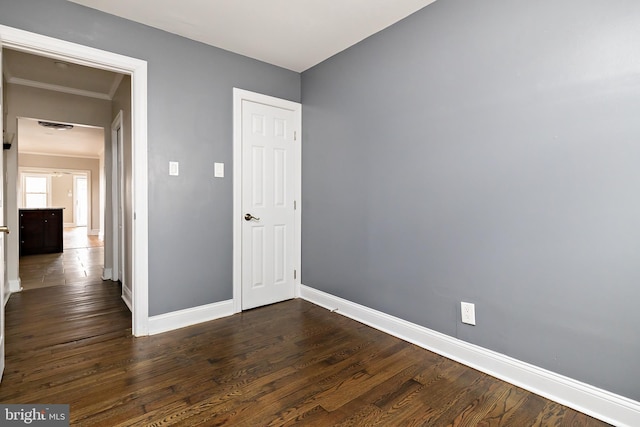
<point x="291" y="363"/>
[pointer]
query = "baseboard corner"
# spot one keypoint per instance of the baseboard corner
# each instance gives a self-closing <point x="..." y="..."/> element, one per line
<point x="126" y="297"/>
<point x="190" y="316"/>
<point x="15" y="285"/>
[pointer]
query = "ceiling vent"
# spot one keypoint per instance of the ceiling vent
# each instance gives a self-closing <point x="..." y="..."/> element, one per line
<point x="56" y="126"/>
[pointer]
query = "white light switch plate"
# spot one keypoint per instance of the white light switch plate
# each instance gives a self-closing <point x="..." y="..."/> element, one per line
<point x="174" y="168"/>
<point x="218" y="170"/>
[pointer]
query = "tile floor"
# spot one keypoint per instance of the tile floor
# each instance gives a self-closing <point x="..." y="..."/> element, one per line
<point x="81" y="263"/>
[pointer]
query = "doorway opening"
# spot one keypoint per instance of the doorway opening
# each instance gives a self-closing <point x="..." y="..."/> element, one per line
<point x="80" y="200"/>
<point x="71" y="53"/>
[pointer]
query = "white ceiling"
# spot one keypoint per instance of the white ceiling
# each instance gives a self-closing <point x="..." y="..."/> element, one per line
<point x="25" y="69"/>
<point x="81" y="141"/>
<point x="294" y="34"/>
<point x="45" y="73"/>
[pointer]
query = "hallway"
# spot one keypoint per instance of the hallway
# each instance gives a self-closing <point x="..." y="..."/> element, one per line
<point x="81" y="263"/>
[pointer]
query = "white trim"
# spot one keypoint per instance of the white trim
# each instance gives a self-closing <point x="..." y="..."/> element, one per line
<point x="116" y="196"/>
<point x="106" y="273"/>
<point x="598" y="403"/>
<point x="69" y="225"/>
<point x="15" y="285"/>
<point x="7" y="295"/>
<point x="188" y="317"/>
<point x="75" y="53"/>
<point x="126" y="296"/>
<point x="93" y="232"/>
<point x="57" y="88"/>
<point x="72" y="156"/>
<point x="50" y="171"/>
<point x="115" y="85"/>
<point x="238" y="96"/>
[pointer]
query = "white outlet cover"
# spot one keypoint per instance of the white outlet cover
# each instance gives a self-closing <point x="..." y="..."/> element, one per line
<point x="468" y="312"/>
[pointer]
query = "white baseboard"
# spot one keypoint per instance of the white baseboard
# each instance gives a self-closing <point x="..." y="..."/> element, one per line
<point x="107" y="273"/>
<point x="69" y="224"/>
<point x="15" y="285"/>
<point x="126" y="297"/>
<point x="598" y="403"/>
<point x="191" y="316"/>
<point x="6" y="298"/>
<point x="94" y="232"/>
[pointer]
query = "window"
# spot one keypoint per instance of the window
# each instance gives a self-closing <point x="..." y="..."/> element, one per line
<point x="36" y="190"/>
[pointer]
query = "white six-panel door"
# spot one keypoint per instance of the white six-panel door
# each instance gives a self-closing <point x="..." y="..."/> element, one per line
<point x="268" y="197"/>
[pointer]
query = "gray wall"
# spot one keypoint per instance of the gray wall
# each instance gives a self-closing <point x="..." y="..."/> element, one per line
<point x="190" y="121"/>
<point x="489" y="152"/>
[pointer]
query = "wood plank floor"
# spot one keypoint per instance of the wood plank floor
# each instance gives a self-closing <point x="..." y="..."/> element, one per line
<point x="291" y="363"/>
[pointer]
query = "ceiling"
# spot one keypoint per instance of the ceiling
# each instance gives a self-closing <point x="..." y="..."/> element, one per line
<point x="293" y="34"/>
<point x="45" y="73"/>
<point x="81" y="141"/>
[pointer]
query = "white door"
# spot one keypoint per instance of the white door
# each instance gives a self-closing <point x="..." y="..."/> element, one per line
<point x="2" y="233"/>
<point x="80" y="200"/>
<point x="268" y="197"/>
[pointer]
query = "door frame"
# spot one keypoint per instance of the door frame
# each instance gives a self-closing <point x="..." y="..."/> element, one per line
<point x="3" y="218"/>
<point x="240" y="95"/>
<point x="117" y="204"/>
<point x="38" y="44"/>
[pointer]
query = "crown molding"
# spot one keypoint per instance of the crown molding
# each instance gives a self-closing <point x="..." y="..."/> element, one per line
<point x="58" y="88"/>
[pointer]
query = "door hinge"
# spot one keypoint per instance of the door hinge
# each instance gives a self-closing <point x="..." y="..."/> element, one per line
<point x="295" y="135"/>
<point x="295" y="274"/>
<point x="295" y="205"/>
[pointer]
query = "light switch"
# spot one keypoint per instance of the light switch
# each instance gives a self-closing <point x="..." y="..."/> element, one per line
<point x="174" y="168"/>
<point x="218" y="170"/>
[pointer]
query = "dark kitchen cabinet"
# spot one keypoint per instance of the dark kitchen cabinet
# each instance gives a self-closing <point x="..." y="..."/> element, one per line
<point x="40" y="231"/>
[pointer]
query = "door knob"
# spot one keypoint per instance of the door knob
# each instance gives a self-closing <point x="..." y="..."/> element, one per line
<point x="249" y="217"/>
<point x="4" y="229"/>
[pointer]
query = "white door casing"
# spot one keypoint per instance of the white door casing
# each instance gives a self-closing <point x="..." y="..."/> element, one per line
<point x="79" y="54"/>
<point x="117" y="202"/>
<point x="2" y="223"/>
<point x="267" y="170"/>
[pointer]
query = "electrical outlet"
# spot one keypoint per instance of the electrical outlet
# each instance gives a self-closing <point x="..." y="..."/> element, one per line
<point x="468" y="311"/>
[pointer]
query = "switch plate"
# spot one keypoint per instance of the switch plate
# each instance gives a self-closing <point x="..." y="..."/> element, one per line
<point x="468" y="311"/>
<point x="174" y="168"/>
<point x="218" y="170"/>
